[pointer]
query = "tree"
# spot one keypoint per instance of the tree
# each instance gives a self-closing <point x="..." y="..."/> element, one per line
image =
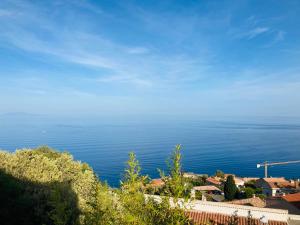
<point x="132" y="180"/>
<point x="48" y="187"/>
<point x="136" y="209"/>
<point x="230" y="188"/>
<point x="43" y="186"/>
<point x="219" y="173"/>
<point x="174" y="183"/>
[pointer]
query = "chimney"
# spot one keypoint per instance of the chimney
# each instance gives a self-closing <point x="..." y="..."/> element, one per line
<point x="297" y="184"/>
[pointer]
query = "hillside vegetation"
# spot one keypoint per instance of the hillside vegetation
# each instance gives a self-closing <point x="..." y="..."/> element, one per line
<point x="46" y="187"/>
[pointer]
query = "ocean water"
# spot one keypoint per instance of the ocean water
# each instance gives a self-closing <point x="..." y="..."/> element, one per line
<point x="207" y="145"/>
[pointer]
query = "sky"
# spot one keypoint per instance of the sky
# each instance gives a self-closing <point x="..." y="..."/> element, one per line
<point x="181" y="58"/>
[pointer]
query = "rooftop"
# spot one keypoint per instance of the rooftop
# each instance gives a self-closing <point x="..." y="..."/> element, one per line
<point x="280" y="203"/>
<point x="247" y="179"/>
<point x="199" y="217"/>
<point x="294" y="199"/>
<point x="276" y="182"/>
<point x="255" y="201"/>
<point x="213" y="181"/>
<point x="206" y="188"/>
<point x="157" y="182"/>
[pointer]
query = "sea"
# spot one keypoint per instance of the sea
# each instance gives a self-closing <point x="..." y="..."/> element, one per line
<point x="231" y="145"/>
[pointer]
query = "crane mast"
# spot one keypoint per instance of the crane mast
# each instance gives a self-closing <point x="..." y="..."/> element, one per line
<point x="266" y="164"/>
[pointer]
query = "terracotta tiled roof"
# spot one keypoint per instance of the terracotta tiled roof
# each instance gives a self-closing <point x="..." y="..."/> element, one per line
<point x="247" y="179"/>
<point x="255" y="201"/>
<point x="293" y="199"/>
<point x="275" y="179"/>
<point x="200" y="218"/>
<point x="157" y="182"/>
<point x="238" y="181"/>
<point x="279" y="182"/>
<point x="213" y="181"/>
<point x="206" y="188"/>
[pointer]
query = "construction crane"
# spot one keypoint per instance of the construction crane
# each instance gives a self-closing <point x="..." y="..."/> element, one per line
<point x="266" y="164"/>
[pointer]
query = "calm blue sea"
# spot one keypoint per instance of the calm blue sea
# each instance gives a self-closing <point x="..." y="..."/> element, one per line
<point x="207" y="145"/>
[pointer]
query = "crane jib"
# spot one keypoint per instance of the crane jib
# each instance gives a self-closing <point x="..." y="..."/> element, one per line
<point x="266" y="164"/>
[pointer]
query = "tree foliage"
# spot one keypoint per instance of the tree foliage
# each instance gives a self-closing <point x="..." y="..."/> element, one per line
<point x="133" y="180"/>
<point x="54" y="187"/>
<point x="220" y="173"/>
<point x="174" y="182"/>
<point x="230" y="188"/>
<point x="43" y="186"/>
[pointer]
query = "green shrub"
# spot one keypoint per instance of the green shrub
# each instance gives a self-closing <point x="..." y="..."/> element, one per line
<point x="56" y="189"/>
<point x="248" y="192"/>
<point x="43" y="186"/>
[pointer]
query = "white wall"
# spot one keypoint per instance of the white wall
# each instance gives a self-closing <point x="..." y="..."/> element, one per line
<point x="230" y="209"/>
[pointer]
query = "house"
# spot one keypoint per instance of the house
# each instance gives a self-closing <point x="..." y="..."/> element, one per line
<point x="239" y="182"/>
<point x="217" y="213"/>
<point x="293" y="199"/>
<point x="213" y="181"/>
<point x="254" y="201"/>
<point x="200" y="218"/>
<point x="193" y="175"/>
<point x="190" y="175"/>
<point x="209" y="189"/>
<point x="274" y="186"/>
<point x="281" y="203"/>
<point x="248" y="179"/>
<point x="156" y="183"/>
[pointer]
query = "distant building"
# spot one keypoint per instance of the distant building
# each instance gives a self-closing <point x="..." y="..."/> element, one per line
<point x="209" y="189"/>
<point x="213" y="181"/>
<point x="200" y="217"/>
<point x="248" y="179"/>
<point x="274" y="186"/>
<point x="193" y="175"/>
<point x="254" y="201"/>
<point x="239" y="182"/>
<point x="156" y="183"/>
<point x="281" y="203"/>
<point x="216" y="213"/>
<point x="293" y="199"/>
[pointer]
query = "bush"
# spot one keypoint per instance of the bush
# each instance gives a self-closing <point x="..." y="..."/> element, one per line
<point x="54" y="187"/>
<point x="198" y="195"/>
<point x="248" y="192"/>
<point x="43" y="186"/>
<point x="261" y="196"/>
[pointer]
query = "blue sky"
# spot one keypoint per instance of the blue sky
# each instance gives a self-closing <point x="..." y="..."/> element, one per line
<point x="192" y="58"/>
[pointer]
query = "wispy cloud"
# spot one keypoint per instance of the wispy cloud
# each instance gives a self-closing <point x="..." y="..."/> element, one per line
<point x="250" y="33"/>
<point x="168" y="52"/>
<point x="85" y="48"/>
<point x="256" y="31"/>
